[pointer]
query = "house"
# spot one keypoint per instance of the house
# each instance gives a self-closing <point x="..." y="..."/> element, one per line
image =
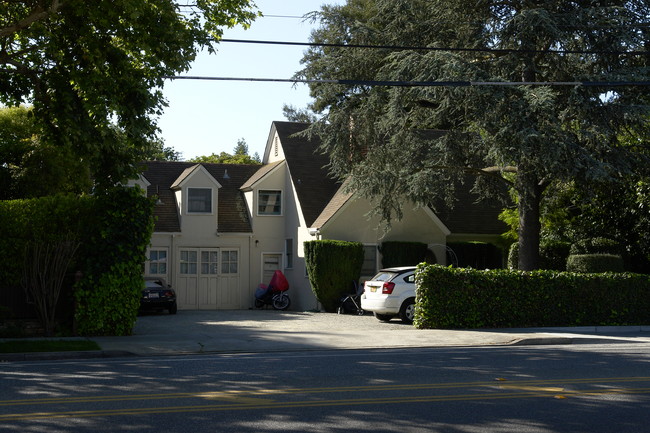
<point x="223" y="229"/>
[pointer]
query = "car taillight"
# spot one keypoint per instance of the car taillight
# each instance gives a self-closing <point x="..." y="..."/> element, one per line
<point x="387" y="289"/>
<point x="168" y="293"/>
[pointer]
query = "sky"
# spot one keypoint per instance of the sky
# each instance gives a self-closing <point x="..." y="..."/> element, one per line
<point x="205" y="117"/>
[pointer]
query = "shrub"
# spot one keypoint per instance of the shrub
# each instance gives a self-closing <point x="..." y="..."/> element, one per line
<point x="596" y="246"/>
<point x="595" y="263"/>
<point x="468" y="298"/>
<point x="395" y="253"/>
<point x="117" y="236"/>
<point x="552" y="255"/>
<point x="332" y="266"/>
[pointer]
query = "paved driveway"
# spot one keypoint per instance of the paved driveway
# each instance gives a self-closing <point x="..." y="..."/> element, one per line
<point x="270" y="330"/>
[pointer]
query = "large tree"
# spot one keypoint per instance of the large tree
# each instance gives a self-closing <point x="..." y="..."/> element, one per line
<point x="93" y="70"/>
<point x="475" y="71"/>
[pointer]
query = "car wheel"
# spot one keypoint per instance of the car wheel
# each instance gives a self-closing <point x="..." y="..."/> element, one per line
<point x="281" y="302"/>
<point x="173" y="308"/>
<point x="407" y="312"/>
<point x="383" y="317"/>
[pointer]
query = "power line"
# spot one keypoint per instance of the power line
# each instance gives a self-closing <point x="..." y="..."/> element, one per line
<point x="427" y="48"/>
<point x="386" y="83"/>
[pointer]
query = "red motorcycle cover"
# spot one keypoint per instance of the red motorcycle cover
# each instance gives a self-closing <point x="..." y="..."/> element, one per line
<point x="279" y="282"/>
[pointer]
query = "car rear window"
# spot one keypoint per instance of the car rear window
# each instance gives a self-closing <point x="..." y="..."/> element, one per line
<point x="383" y="276"/>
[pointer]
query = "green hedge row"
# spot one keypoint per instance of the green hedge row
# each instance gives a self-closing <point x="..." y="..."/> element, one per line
<point x="114" y="229"/>
<point x="397" y="253"/>
<point x="332" y="266"/>
<point x="595" y="263"/>
<point x="467" y="298"/>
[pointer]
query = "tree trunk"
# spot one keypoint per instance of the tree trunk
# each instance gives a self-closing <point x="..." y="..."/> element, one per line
<point x="530" y="197"/>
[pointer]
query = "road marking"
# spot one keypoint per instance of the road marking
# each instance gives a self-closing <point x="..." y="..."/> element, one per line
<point x="246" y="399"/>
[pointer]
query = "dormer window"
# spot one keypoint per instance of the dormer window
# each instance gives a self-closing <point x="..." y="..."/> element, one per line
<point x="199" y="200"/>
<point x="269" y="202"/>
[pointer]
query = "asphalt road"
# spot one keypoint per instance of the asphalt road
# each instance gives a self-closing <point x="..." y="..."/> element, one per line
<point x="569" y="388"/>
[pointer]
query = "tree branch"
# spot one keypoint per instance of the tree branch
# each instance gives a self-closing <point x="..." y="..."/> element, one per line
<point x="37" y="14"/>
<point x="494" y="172"/>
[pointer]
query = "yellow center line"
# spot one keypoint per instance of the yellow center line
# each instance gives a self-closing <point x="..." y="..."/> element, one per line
<point x="244" y="405"/>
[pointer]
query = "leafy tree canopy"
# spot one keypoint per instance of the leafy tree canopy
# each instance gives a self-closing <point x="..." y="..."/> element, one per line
<point x="93" y="70"/>
<point x="239" y="156"/>
<point x="538" y="133"/>
<point x="30" y="167"/>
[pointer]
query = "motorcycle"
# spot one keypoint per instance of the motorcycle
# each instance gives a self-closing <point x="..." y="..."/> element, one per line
<point x="274" y="294"/>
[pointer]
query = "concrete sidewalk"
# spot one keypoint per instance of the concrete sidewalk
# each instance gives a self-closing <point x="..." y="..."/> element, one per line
<point x="249" y="331"/>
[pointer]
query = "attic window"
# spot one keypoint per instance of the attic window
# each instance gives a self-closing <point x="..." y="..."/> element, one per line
<point x="269" y="202"/>
<point x="199" y="200"/>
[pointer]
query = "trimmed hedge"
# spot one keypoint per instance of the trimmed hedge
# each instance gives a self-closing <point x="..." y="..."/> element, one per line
<point x="552" y="255"/>
<point x="595" y="263"/>
<point x="118" y="233"/>
<point x="332" y="266"/>
<point x="114" y="229"/>
<point x="396" y="253"/>
<point x="596" y="246"/>
<point x="467" y="298"/>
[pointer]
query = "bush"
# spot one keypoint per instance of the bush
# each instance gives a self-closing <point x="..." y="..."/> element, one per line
<point x="594" y="263"/>
<point x="108" y="295"/>
<point x="332" y="266"/>
<point x="552" y="255"/>
<point x="596" y="246"/>
<point x="395" y="253"/>
<point x="467" y="298"/>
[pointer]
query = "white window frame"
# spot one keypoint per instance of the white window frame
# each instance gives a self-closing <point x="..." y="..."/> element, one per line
<point x="279" y="195"/>
<point x="211" y="265"/>
<point x="225" y="255"/>
<point x="189" y="201"/>
<point x="188" y="262"/>
<point x="158" y="262"/>
<point x="288" y="253"/>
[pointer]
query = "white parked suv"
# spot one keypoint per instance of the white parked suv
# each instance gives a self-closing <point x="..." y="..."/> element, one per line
<point x="391" y="293"/>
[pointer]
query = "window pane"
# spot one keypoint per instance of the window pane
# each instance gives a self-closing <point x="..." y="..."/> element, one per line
<point x="209" y="262"/>
<point x="188" y="262"/>
<point x="269" y="203"/>
<point x="229" y="262"/>
<point x="199" y="200"/>
<point x="157" y="262"/>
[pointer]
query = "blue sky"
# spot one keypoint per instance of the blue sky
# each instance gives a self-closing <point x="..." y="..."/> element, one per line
<point x="206" y="117"/>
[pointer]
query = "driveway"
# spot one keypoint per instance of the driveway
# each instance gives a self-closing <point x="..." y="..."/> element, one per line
<point x="270" y="330"/>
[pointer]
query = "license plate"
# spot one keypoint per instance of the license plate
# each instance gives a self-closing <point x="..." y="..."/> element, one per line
<point x="373" y="289"/>
<point x="153" y="296"/>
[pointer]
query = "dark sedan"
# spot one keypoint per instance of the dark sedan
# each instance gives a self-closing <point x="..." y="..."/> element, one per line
<point x="158" y="295"/>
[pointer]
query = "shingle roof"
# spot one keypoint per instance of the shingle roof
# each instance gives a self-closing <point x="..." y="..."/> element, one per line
<point x="232" y="212"/>
<point x="469" y="217"/>
<point x="307" y="166"/>
<point x="320" y="197"/>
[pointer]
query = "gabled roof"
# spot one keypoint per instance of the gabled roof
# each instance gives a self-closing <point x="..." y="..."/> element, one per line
<point x="259" y="175"/>
<point x="232" y="212"/>
<point x="321" y="196"/>
<point x="308" y="169"/>
<point x="187" y="173"/>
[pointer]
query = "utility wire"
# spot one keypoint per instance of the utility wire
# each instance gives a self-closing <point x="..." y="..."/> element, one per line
<point x="421" y="83"/>
<point x="425" y="48"/>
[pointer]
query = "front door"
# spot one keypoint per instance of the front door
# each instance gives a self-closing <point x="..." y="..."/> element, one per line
<point x="271" y="262"/>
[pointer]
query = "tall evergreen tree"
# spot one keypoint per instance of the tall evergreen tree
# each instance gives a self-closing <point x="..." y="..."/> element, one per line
<point x="527" y="135"/>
